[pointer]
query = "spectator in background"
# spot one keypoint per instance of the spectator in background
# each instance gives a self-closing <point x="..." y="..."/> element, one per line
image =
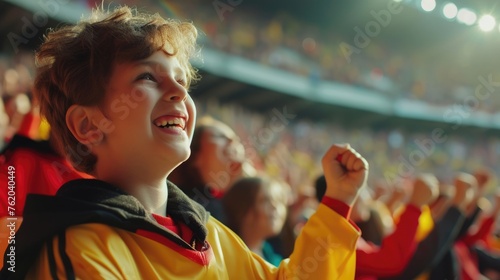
<point x="216" y="161"/>
<point x="468" y="257"/>
<point x="449" y="214"/>
<point x="255" y="209"/>
<point x="479" y="242"/>
<point x="457" y="262"/>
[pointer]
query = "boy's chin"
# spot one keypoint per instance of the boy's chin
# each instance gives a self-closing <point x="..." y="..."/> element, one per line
<point x="182" y="155"/>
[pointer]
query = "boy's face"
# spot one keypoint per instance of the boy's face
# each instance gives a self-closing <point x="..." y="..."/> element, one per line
<point x="151" y="114"/>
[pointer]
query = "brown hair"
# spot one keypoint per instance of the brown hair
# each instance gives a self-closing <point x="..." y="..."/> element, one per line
<point x="240" y="199"/>
<point x="75" y="62"/>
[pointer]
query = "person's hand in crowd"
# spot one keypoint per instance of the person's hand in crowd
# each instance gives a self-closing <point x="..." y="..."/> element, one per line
<point x="425" y="190"/>
<point x="443" y="201"/>
<point x="483" y="177"/>
<point x="464" y="191"/>
<point x="345" y="173"/>
<point x="397" y="198"/>
<point x="380" y="190"/>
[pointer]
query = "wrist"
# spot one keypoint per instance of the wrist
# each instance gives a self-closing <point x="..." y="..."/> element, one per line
<point x="346" y="198"/>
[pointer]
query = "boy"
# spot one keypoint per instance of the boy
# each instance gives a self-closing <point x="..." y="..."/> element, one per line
<point x="114" y="89"/>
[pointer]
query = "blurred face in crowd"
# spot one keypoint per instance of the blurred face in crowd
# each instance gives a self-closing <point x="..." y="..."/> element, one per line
<point x="269" y="212"/>
<point x="220" y="156"/>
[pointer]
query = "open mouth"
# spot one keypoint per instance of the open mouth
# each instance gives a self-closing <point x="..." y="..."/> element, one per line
<point x="170" y="122"/>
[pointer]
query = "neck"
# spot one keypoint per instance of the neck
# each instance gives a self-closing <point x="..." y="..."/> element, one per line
<point x="151" y="191"/>
<point x="152" y="196"/>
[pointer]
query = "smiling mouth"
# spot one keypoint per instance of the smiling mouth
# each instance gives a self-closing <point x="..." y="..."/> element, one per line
<point x="170" y="122"/>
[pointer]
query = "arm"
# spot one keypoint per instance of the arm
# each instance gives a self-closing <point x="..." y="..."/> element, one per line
<point x="487" y="225"/>
<point x="396" y="249"/>
<point x="323" y="249"/>
<point x="469" y="221"/>
<point x="431" y="250"/>
<point x="484" y="230"/>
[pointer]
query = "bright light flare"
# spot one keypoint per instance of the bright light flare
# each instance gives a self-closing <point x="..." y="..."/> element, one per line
<point x="428" y="5"/>
<point x="466" y="16"/>
<point x="450" y="10"/>
<point x="487" y="23"/>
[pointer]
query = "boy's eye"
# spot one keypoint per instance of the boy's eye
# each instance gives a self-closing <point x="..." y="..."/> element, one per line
<point x="146" y="76"/>
<point x="182" y="82"/>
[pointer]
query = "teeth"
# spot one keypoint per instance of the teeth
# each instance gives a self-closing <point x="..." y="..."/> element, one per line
<point x="176" y="122"/>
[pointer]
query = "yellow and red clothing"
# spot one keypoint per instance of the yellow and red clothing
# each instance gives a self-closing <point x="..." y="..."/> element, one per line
<point x="91" y="229"/>
<point x="466" y="257"/>
<point x="396" y="249"/>
<point x="433" y="248"/>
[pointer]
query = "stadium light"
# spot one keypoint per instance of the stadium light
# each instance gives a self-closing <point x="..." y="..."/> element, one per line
<point x="466" y="16"/>
<point x="450" y="10"/>
<point x="487" y="23"/>
<point x="428" y="5"/>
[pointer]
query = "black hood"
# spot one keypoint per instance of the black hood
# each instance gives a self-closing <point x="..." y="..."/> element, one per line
<point x="92" y="201"/>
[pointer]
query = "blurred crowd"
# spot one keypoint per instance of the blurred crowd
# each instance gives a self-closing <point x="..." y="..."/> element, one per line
<point x="294" y="149"/>
<point x="288" y="148"/>
<point x="284" y="42"/>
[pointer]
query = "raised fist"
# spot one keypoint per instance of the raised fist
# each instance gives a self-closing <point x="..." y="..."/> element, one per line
<point x="425" y="190"/>
<point x="465" y="188"/>
<point x="345" y="173"/>
<point x="483" y="176"/>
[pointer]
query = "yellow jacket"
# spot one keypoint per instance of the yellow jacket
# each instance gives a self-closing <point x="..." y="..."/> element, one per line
<point x="116" y="248"/>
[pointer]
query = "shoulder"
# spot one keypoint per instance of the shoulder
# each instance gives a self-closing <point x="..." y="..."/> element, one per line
<point x="94" y="251"/>
<point x="220" y="234"/>
<point x="94" y="237"/>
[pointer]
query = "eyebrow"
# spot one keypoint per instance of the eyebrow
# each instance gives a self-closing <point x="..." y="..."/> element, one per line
<point x="178" y="70"/>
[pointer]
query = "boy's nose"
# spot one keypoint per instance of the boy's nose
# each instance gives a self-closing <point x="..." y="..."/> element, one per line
<point x="176" y="92"/>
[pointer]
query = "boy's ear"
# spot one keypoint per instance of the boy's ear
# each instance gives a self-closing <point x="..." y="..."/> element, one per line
<point x="79" y="120"/>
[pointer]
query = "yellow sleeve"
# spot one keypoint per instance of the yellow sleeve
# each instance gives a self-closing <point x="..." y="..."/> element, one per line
<point x="325" y="249"/>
